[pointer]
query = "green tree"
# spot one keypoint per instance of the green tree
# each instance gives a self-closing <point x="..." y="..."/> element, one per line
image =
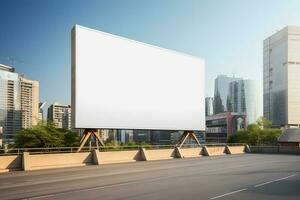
<point x="45" y="135"/>
<point x="257" y="134"/>
<point x="263" y="122"/>
<point x="71" y="139"/>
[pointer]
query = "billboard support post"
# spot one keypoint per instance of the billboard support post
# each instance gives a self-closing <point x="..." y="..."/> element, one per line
<point x="87" y="134"/>
<point x="185" y="136"/>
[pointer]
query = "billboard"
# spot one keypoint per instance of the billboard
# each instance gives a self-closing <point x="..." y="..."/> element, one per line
<point x="120" y="83"/>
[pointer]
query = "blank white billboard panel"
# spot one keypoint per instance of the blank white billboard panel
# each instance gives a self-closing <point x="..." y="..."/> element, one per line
<point x="124" y="84"/>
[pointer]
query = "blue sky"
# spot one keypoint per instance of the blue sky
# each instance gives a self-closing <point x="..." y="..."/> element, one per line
<point x="228" y="34"/>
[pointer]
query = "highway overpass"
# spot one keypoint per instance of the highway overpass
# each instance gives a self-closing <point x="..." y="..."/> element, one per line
<point x="246" y="176"/>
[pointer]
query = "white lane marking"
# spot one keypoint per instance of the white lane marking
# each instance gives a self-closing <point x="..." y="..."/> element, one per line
<point x="103" y="187"/>
<point x="97" y="188"/>
<point x="229" y="193"/>
<point x="127" y="183"/>
<point x="280" y="179"/>
<point x="40" y="197"/>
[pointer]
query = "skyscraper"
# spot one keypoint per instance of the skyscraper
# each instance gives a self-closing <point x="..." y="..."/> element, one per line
<point x="41" y="111"/>
<point x="221" y="93"/>
<point x="10" y="102"/>
<point x="209" y="106"/>
<point x="19" y="99"/>
<point x="281" y="63"/>
<point x="60" y="115"/>
<point x="29" y="102"/>
<point x="243" y="98"/>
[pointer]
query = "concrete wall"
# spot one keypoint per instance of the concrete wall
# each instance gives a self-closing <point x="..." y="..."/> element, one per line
<point x="158" y="154"/>
<point x="214" y="150"/>
<point x="264" y="149"/>
<point x="275" y="149"/>
<point x="29" y="161"/>
<point x="289" y="149"/>
<point x="10" y="163"/>
<point x="119" y="156"/>
<point x="236" y="149"/>
<point x="45" y="161"/>
<point x="190" y="152"/>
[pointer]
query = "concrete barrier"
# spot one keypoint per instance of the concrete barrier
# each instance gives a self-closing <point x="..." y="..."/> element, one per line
<point x="289" y="149"/>
<point x="96" y="157"/>
<point x="157" y="154"/>
<point x="10" y="163"/>
<point x="235" y="149"/>
<point x="26" y="161"/>
<point x="264" y="149"/>
<point x="29" y="161"/>
<point x="46" y="161"/>
<point x="118" y="156"/>
<point x="214" y="150"/>
<point x="190" y="152"/>
<point x="274" y="149"/>
<point x="247" y="148"/>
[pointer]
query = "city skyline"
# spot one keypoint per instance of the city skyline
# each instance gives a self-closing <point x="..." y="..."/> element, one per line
<point x="39" y="46"/>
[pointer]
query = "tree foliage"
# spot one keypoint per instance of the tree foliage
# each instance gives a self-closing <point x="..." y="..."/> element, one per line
<point x="257" y="134"/>
<point x="45" y="135"/>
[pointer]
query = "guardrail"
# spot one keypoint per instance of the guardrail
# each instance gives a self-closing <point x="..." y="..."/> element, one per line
<point x="19" y="151"/>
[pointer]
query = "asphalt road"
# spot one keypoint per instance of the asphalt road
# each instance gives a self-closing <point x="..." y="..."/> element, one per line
<point x="249" y="176"/>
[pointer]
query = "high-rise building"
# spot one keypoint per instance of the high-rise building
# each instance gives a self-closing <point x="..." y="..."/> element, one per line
<point x="66" y="122"/>
<point x="29" y="102"/>
<point x="19" y="99"/>
<point x="60" y="115"/>
<point x="10" y="103"/>
<point x="209" y="106"/>
<point x="221" y="93"/>
<point x="281" y="63"/>
<point x="41" y="111"/>
<point x="244" y="99"/>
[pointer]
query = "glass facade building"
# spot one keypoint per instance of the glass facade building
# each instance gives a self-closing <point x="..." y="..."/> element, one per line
<point x="221" y="93"/>
<point x="243" y="98"/>
<point x="209" y="106"/>
<point x="10" y="103"/>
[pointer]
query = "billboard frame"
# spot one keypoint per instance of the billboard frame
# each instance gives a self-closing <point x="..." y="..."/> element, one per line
<point x="187" y="132"/>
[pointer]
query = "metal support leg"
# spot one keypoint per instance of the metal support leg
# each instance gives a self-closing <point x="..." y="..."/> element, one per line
<point x="87" y="135"/>
<point x="185" y="135"/>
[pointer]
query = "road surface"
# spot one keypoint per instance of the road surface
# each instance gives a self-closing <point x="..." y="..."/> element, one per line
<point x="249" y="176"/>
